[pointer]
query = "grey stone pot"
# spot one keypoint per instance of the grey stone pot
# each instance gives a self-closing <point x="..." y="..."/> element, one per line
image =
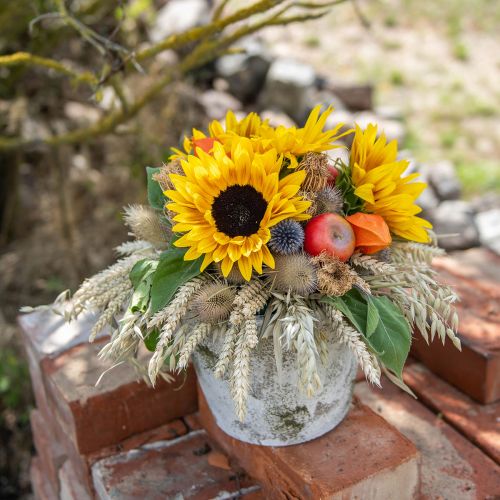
<point x="278" y="413"/>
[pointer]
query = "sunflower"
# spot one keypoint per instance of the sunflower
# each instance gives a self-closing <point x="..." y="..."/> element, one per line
<point x="377" y="178"/>
<point x="289" y="141"/>
<point x="227" y="202"/>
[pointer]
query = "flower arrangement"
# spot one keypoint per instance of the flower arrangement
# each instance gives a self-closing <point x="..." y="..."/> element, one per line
<point x="254" y="233"/>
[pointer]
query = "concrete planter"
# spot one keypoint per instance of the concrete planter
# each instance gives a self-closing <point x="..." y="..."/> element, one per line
<point x="278" y="413"/>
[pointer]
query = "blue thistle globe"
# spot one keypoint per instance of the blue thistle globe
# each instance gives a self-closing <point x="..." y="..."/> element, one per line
<point x="287" y="237"/>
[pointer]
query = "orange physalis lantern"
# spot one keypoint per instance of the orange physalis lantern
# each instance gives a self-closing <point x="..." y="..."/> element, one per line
<point x="371" y="231"/>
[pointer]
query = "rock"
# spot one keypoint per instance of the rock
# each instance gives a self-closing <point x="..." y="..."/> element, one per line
<point x="393" y="129"/>
<point x="444" y="180"/>
<point x="245" y="73"/>
<point x="354" y="97"/>
<point x="455" y="218"/>
<point x="177" y="16"/>
<point x="327" y="98"/>
<point x="81" y="114"/>
<point x="488" y="224"/>
<point x="428" y="201"/>
<point x="289" y="87"/>
<point x="344" y="117"/>
<point x="277" y="118"/>
<point x="217" y="103"/>
<point x="389" y="112"/>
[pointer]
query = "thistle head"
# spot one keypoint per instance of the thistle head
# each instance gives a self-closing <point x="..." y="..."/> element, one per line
<point x="334" y="277"/>
<point x="295" y="273"/>
<point x="328" y="200"/>
<point x="214" y="302"/>
<point x="287" y="237"/>
<point x="147" y="224"/>
<point x="316" y="167"/>
<point x="162" y="177"/>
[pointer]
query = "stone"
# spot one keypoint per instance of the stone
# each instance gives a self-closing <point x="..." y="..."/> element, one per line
<point x="355" y="97"/>
<point x="475" y="276"/>
<point x="346" y="118"/>
<point x="364" y="457"/>
<point x="245" y="73"/>
<point x="179" y="468"/>
<point x="288" y="88"/>
<point x="277" y="118"/>
<point x="393" y="129"/>
<point x="454" y="225"/>
<point x="42" y="488"/>
<point x="443" y="178"/>
<point x="119" y="407"/>
<point x="216" y="104"/>
<point x="81" y="114"/>
<point x="70" y="486"/>
<point x="488" y="224"/>
<point x="50" y="453"/>
<point x="326" y="98"/>
<point x="479" y="423"/>
<point x="451" y="467"/>
<point x="177" y="16"/>
<point x="428" y="201"/>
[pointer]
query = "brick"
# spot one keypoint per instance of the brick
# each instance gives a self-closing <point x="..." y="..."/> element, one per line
<point x="51" y="454"/>
<point x="171" y="469"/>
<point x="45" y="335"/>
<point x="475" y="275"/>
<point x="71" y="488"/>
<point x="451" y="466"/>
<point x="478" y="422"/>
<point x="193" y="422"/>
<point x="82" y="463"/>
<point x="364" y="457"/>
<point x="119" y="407"/>
<point x="42" y="488"/>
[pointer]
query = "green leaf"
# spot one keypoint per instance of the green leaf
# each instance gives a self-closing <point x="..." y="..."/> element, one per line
<point x="151" y="340"/>
<point x="391" y="337"/>
<point x="172" y="272"/>
<point x="372" y="318"/>
<point x="141" y="276"/>
<point x="156" y="197"/>
<point x="140" y="270"/>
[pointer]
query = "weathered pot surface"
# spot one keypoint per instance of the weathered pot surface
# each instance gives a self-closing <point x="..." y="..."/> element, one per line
<point x="278" y="413"/>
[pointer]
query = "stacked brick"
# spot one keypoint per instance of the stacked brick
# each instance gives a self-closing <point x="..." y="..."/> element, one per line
<point x="126" y="440"/>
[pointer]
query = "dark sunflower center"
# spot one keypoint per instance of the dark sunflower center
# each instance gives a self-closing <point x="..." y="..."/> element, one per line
<point x="238" y="210"/>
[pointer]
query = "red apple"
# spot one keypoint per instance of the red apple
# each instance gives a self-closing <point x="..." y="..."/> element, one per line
<point x="329" y="233"/>
<point x="332" y="175"/>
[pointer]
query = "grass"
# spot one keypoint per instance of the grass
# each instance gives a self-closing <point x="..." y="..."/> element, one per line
<point x="477" y="177"/>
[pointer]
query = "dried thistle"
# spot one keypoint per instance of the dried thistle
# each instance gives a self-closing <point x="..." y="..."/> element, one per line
<point x="147" y="224"/>
<point x="293" y="273"/>
<point x="162" y="177"/>
<point x="328" y="199"/>
<point x="213" y="302"/>
<point x="316" y="167"/>
<point x="335" y="278"/>
<point x="287" y="237"/>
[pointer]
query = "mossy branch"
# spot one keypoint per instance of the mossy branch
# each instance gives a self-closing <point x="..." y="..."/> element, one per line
<point x="25" y="58"/>
<point x="210" y="48"/>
